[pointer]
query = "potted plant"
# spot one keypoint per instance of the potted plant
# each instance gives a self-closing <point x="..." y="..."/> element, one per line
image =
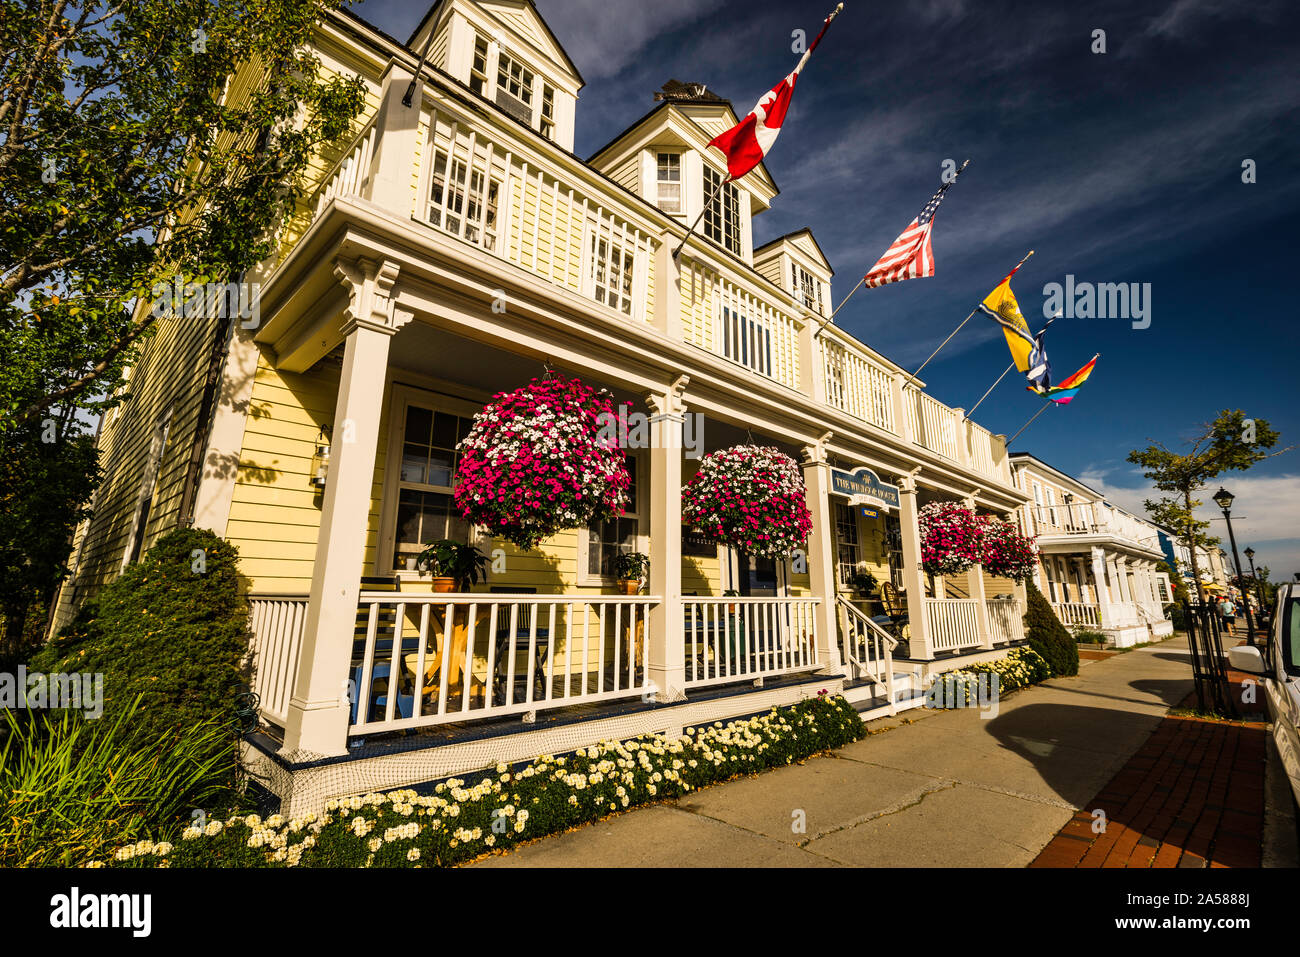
<point x="631" y="568"/>
<point x="454" y="565"/>
<point x="731" y="593"/>
<point x="864" y="582"/>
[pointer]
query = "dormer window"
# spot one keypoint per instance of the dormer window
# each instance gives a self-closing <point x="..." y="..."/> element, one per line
<point x="548" y="111"/>
<point x="669" y="182"/>
<point x="807" y="289"/>
<point x="478" y="71"/>
<point x="515" y="88"/>
<point x="722" y="216"/>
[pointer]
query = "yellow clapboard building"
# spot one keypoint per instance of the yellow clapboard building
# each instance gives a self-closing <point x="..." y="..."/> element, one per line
<point x="455" y="248"/>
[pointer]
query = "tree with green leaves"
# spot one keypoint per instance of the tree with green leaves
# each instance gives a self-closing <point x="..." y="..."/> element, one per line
<point x="1233" y="442"/>
<point x="130" y="159"/>
<point x="43" y="495"/>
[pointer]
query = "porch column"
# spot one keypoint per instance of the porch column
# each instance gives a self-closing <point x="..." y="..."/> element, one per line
<point x="319" y="707"/>
<point x="812" y="378"/>
<point x="666" y="655"/>
<point x="902" y="421"/>
<point x="1103" y="593"/>
<point x="918" y="626"/>
<point x="975" y="579"/>
<point x="821" y="559"/>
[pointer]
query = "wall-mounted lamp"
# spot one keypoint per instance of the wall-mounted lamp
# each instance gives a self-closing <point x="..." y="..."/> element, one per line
<point x="320" y="459"/>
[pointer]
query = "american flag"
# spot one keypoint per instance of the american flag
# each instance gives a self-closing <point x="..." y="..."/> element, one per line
<point x="911" y="254"/>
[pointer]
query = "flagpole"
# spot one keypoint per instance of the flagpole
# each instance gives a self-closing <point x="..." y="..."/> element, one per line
<point x="690" y="232"/>
<point x="410" y="89"/>
<point x="1030" y="422"/>
<point x="915" y="374"/>
<point x="991" y="388"/>
<point x="1008" y="369"/>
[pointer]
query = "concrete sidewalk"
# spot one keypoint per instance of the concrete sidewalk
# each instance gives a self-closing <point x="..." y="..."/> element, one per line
<point x="936" y="788"/>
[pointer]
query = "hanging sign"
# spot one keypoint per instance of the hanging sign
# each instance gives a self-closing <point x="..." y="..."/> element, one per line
<point x="863" y="487"/>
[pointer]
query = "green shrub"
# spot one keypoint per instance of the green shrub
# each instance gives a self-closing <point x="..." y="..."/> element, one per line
<point x="1048" y="636"/>
<point x="72" y="787"/>
<point x="171" y="630"/>
<point x="1089" y="637"/>
<point x="505" y="806"/>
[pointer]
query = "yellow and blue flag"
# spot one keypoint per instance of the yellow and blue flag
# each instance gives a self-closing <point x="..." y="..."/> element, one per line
<point x="1001" y="305"/>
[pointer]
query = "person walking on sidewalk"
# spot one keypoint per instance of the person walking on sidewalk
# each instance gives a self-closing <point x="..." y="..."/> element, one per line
<point x="1229" y="612"/>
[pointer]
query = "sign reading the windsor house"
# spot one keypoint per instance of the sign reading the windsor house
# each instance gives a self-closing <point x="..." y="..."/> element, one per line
<point x="863" y="487"/>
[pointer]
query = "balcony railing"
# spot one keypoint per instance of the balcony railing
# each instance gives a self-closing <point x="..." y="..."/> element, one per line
<point x="735" y="639"/>
<point x="857" y="384"/>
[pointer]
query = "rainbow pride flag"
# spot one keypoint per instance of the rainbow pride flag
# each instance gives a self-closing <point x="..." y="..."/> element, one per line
<point x="1065" y="390"/>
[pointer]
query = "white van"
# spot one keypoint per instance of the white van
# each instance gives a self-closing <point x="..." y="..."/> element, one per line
<point x="1279" y="666"/>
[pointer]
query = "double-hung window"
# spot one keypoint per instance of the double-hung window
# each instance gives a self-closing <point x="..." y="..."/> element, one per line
<point x="515" y="88"/>
<point x="469" y="197"/>
<point x="612" y="271"/>
<point x="807" y="289"/>
<point x="478" y="71"/>
<point x="722" y="216"/>
<point x="668" y="180"/>
<point x="548" y="111"/>
<point x="746" y="340"/>
<point x="425" y="511"/>
<point x="846" y="541"/>
<point x="617" y="536"/>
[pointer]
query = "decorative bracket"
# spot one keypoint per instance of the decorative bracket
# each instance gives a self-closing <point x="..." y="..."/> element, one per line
<point x="371" y="303"/>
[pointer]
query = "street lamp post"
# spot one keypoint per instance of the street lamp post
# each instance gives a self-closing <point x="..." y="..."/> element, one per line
<point x="1223" y="498"/>
<point x="1259" y="586"/>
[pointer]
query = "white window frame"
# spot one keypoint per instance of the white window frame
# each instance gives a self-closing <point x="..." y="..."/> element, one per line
<point x="485" y="75"/>
<point x="641" y="515"/>
<point x="525" y="81"/>
<point x="545" y="119"/>
<point x="661" y="182"/>
<point x="802" y="278"/>
<point x="402" y="398"/>
<point x="596" y="233"/>
<point x="743" y="339"/>
<point x="455" y="162"/>
<point x="717" y="210"/>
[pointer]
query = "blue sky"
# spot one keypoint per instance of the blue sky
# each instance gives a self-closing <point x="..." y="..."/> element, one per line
<point x="1118" y="167"/>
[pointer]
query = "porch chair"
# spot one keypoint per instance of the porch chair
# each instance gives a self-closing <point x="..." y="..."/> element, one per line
<point x="405" y="707"/>
<point x="894" y="620"/>
<point x="523" y="629"/>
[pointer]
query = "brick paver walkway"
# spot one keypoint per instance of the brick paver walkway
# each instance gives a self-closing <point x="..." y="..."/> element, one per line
<point x="1192" y="796"/>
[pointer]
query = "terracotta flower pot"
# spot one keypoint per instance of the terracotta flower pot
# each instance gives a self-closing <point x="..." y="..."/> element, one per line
<point x="630" y="587"/>
<point x="443" y="585"/>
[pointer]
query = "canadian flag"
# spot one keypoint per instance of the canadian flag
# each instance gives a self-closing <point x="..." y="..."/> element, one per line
<point x="747" y="143"/>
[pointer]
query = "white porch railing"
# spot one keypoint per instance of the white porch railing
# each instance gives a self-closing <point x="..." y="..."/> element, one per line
<point x="473" y="656"/>
<point x="953" y="622"/>
<point x="1078" y="613"/>
<point x="277" y="626"/>
<point x="733" y="639"/>
<point x="867" y="649"/>
<point x="1006" y="621"/>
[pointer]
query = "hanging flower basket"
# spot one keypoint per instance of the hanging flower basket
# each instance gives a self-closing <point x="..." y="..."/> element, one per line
<point x="750" y="498"/>
<point x="1007" y="553"/>
<point x="952" y="538"/>
<point x="536" y="462"/>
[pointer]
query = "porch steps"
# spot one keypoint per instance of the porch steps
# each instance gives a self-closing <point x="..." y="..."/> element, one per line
<point x="871" y="700"/>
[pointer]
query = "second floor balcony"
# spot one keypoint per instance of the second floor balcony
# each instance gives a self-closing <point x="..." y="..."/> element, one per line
<point x="484" y="182"/>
